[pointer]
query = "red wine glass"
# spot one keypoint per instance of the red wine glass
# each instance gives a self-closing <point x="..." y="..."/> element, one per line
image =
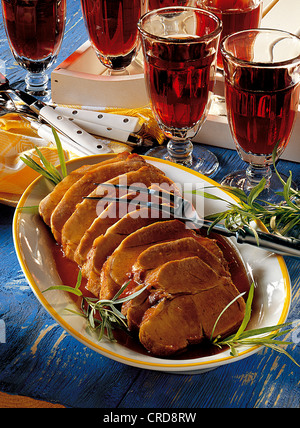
<point x="157" y="4"/>
<point x="236" y="15"/>
<point x="35" y="31"/>
<point x="179" y="46"/>
<point x="112" y="30"/>
<point x="262" y="87"/>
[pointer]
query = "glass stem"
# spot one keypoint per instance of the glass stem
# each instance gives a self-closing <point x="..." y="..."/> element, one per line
<point x="180" y="152"/>
<point x="255" y="173"/>
<point x="36" y="83"/>
<point x="116" y="73"/>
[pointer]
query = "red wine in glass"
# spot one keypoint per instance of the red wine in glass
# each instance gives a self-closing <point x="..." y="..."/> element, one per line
<point x="236" y="15"/>
<point x="156" y="4"/>
<point x="35" y="31"/>
<point x="262" y="120"/>
<point x="179" y="46"/>
<point x="179" y="83"/>
<point x="262" y="89"/>
<point x="112" y="29"/>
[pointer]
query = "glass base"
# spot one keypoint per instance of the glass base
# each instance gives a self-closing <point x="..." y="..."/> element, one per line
<point x="117" y="63"/>
<point x="202" y="160"/>
<point x="44" y="95"/>
<point x="240" y="180"/>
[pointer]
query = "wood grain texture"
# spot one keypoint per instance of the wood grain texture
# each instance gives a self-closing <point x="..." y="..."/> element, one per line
<point x="17" y="401"/>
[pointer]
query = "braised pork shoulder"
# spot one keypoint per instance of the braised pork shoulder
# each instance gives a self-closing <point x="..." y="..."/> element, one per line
<point x="186" y="276"/>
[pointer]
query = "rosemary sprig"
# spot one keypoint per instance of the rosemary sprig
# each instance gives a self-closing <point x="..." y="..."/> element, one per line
<point x="73" y="290"/>
<point x="48" y="170"/>
<point x="102" y="315"/>
<point x="280" y="218"/>
<point x="105" y="316"/>
<point x="264" y="336"/>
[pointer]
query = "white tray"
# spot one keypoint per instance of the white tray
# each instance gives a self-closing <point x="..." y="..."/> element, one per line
<point x="81" y="80"/>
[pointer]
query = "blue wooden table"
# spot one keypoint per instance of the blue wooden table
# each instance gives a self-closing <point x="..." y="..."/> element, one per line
<point x="38" y="359"/>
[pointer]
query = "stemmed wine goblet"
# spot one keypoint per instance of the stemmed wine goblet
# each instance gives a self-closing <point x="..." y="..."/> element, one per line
<point x="262" y="87"/>
<point x="179" y="46"/>
<point x="35" y="31"/>
<point x="112" y="30"/>
<point x="157" y="4"/>
<point x="236" y="15"/>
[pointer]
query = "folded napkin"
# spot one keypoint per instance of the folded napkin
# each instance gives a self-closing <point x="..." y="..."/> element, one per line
<point x="17" y="139"/>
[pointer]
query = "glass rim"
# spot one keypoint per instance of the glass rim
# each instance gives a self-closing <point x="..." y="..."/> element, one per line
<point x="176" y="40"/>
<point x="257" y="64"/>
<point x="229" y="9"/>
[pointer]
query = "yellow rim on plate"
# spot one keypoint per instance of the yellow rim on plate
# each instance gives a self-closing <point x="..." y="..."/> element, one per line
<point x="117" y="356"/>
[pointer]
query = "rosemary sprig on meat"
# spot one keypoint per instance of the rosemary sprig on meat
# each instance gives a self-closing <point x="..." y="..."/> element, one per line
<point x="264" y="336"/>
<point x="102" y="315"/>
<point x="105" y="315"/>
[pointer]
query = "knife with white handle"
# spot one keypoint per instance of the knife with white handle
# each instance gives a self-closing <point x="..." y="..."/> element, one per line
<point x="108" y="120"/>
<point x="73" y="132"/>
<point x="45" y="132"/>
<point x="104" y="131"/>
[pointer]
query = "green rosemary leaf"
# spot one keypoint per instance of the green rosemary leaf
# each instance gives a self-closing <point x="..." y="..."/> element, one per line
<point x="79" y="279"/>
<point x="31" y="209"/>
<point x="274" y="329"/>
<point x="123" y="288"/>
<point x="274" y="156"/>
<point x="208" y="195"/>
<point x="65" y="288"/>
<point x="130" y="296"/>
<point x="91" y="317"/>
<point x="247" y="313"/>
<point x="76" y="312"/>
<point x="280" y="218"/>
<point x="235" y="191"/>
<point x="282" y="351"/>
<point x="49" y="171"/>
<point x="254" y="337"/>
<point x="60" y="153"/>
<point x="256" y="191"/>
<point x="222" y="312"/>
<point x="48" y="166"/>
<point x="287" y="192"/>
<point x="110" y="317"/>
<point x="117" y="312"/>
<point x="39" y="169"/>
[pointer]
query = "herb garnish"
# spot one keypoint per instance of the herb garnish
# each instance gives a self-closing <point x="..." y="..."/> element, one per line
<point x="105" y="316"/>
<point x="102" y="315"/>
<point x="279" y="218"/>
<point x="49" y="170"/>
<point x="253" y="337"/>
